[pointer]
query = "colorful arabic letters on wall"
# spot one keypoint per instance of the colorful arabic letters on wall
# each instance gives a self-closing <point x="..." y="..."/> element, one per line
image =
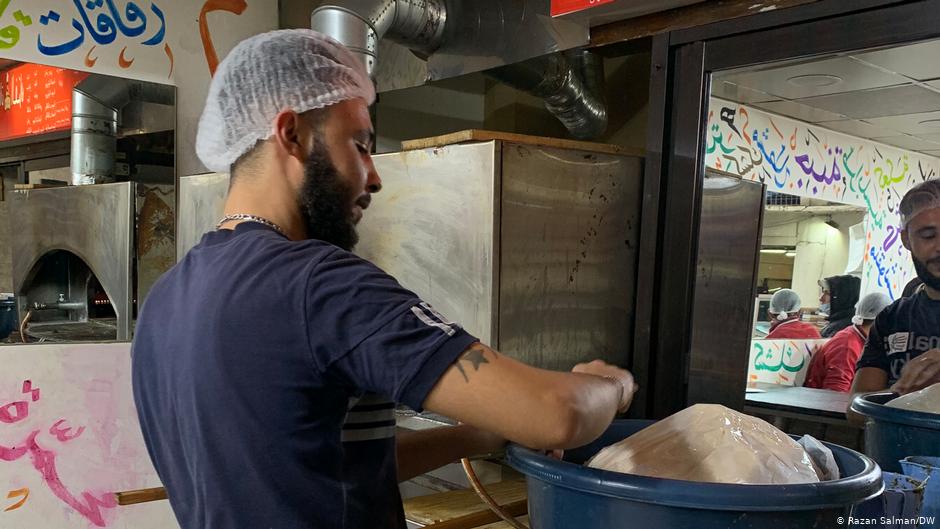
<point x="119" y="32"/>
<point x="69" y="439"/>
<point x="796" y="158"/>
<point x="783" y="362"/>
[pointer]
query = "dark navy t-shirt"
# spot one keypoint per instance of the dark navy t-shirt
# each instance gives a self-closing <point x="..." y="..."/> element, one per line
<point x="248" y="355"/>
<point x="903" y="331"/>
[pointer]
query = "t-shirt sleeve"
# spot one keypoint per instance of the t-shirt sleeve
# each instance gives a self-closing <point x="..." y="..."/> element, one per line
<point x="874" y="354"/>
<point x="368" y="331"/>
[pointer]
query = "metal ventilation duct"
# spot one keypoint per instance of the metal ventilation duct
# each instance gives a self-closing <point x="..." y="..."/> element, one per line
<point x="99" y="105"/>
<point x="570" y="84"/>
<point x="95" y="105"/>
<point x="361" y="24"/>
<point x="571" y="87"/>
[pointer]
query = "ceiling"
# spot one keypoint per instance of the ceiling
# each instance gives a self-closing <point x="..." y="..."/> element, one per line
<point x="890" y="95"/>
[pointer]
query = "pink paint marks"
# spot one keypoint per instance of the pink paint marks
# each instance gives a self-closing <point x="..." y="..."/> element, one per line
<point x="44" y="461"/>
<point x="63" y="434"/>
<point x="18" y="410"/>
<point x="14" y="412"/>
<point x="28" y="388"/>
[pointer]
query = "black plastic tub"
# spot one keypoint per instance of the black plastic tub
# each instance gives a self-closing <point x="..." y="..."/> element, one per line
<point x="568" y="495"/>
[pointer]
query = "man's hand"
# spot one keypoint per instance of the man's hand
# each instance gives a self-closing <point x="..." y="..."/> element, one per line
<point x="622" y="376"/>
<point x="919" y="373"/>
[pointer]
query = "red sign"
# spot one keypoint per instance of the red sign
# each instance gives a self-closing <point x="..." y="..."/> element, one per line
<point x="563" y="7"/>
<point x="35" y="99"/>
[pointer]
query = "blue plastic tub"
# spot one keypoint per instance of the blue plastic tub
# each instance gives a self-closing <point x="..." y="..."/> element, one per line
<point x="927" y="470"/>
<point x="567" y="495"/>
<point x="891" y="434"/>
<point x="901" y="502"/>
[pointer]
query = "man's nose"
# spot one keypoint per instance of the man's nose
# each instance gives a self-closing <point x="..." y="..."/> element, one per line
<point x="373" y="180"/>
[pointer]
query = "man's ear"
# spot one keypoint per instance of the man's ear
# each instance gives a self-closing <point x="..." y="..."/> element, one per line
<point x="288" y="136"/>
<point x="906" y="239"/>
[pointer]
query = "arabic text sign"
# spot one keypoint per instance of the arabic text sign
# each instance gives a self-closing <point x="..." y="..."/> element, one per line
<point x="783" y="362"/>
<point x="36" y="99"/>
<point x="563" y="7"/>
<point x="117" y="37"/>
<point x="69" y="439"/>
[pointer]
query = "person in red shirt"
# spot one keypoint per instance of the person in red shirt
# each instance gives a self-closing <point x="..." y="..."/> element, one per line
<point x="786" y="310"/>
<point x="833" y="366"/>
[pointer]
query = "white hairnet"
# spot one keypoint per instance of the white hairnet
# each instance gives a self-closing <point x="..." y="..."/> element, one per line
<point x="290" y="69"/>
<point x="785" y="303"/>
<point x="920" y="198"/>
<point x="869" y="306"/>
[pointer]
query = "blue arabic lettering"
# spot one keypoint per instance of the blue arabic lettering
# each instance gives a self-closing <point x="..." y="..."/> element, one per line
<point x="133" y="12"/>
<point x="61" y="48"/>
<point x="883" y="280"/>
<point x="774" y="157"/>
<point x="106" y="29"/>
<point x="157" y="38"/>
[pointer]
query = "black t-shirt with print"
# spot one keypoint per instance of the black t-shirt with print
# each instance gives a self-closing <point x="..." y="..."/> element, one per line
<point x="903" y="331"/>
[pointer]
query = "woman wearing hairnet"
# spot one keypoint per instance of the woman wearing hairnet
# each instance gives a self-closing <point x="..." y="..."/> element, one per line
<point x="833" y="366"/>
<point x="786" y="309"/>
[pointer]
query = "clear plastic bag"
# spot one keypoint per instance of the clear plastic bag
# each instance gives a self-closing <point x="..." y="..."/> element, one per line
<point x="710" y="443"/>
<point x="926" y="400"/>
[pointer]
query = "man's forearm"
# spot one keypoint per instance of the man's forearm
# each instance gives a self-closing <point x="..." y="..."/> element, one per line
<point x="422" y="451"/>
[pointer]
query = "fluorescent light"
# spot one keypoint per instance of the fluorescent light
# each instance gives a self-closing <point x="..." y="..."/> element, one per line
<point x="791" y="254"/>
<point x="778" y="251"/>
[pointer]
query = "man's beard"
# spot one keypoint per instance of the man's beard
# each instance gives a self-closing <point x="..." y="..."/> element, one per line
<point x="326" y="202"/>
<point x="924" y="273"/>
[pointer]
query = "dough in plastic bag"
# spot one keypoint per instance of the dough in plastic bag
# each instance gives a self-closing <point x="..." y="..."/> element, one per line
<point x="926" y="400"/>
<point x="710" y="443"/>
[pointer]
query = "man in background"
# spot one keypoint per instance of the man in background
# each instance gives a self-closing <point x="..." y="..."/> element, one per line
<point x="839" y="296"/>
<point x="833" y="366"/>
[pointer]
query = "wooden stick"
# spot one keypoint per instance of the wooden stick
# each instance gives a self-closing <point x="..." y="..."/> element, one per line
<point x="130" y="497"/>
<point x="476" y="519"/>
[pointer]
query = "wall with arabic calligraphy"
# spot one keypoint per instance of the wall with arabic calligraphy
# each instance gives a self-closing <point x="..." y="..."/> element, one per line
<point x="69" y="438"/>
<point x="783" y="362"/>
<point x="176" y="42"/>
<point x="793" y="157"/>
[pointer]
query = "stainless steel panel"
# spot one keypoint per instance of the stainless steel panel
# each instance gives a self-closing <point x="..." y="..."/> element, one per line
<point x="729" y="238"/>
<point x="202" y="199"/>
<point x="569" y="231"/>
<point x="433" y="228"/>
<point x="94" y="222"/>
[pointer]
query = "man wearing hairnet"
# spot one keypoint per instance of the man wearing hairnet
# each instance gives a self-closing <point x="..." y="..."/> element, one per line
<point x="833" y="366"/>
<point x="785" y="312"/>
<point x="259" y="359"/>
<point x="903" y="349"/>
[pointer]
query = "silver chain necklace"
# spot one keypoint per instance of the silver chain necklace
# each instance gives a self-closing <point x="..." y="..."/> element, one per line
<point x="250" y="218"/>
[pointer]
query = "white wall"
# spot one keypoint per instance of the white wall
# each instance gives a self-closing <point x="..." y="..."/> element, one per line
<point x="821" y="250"/>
